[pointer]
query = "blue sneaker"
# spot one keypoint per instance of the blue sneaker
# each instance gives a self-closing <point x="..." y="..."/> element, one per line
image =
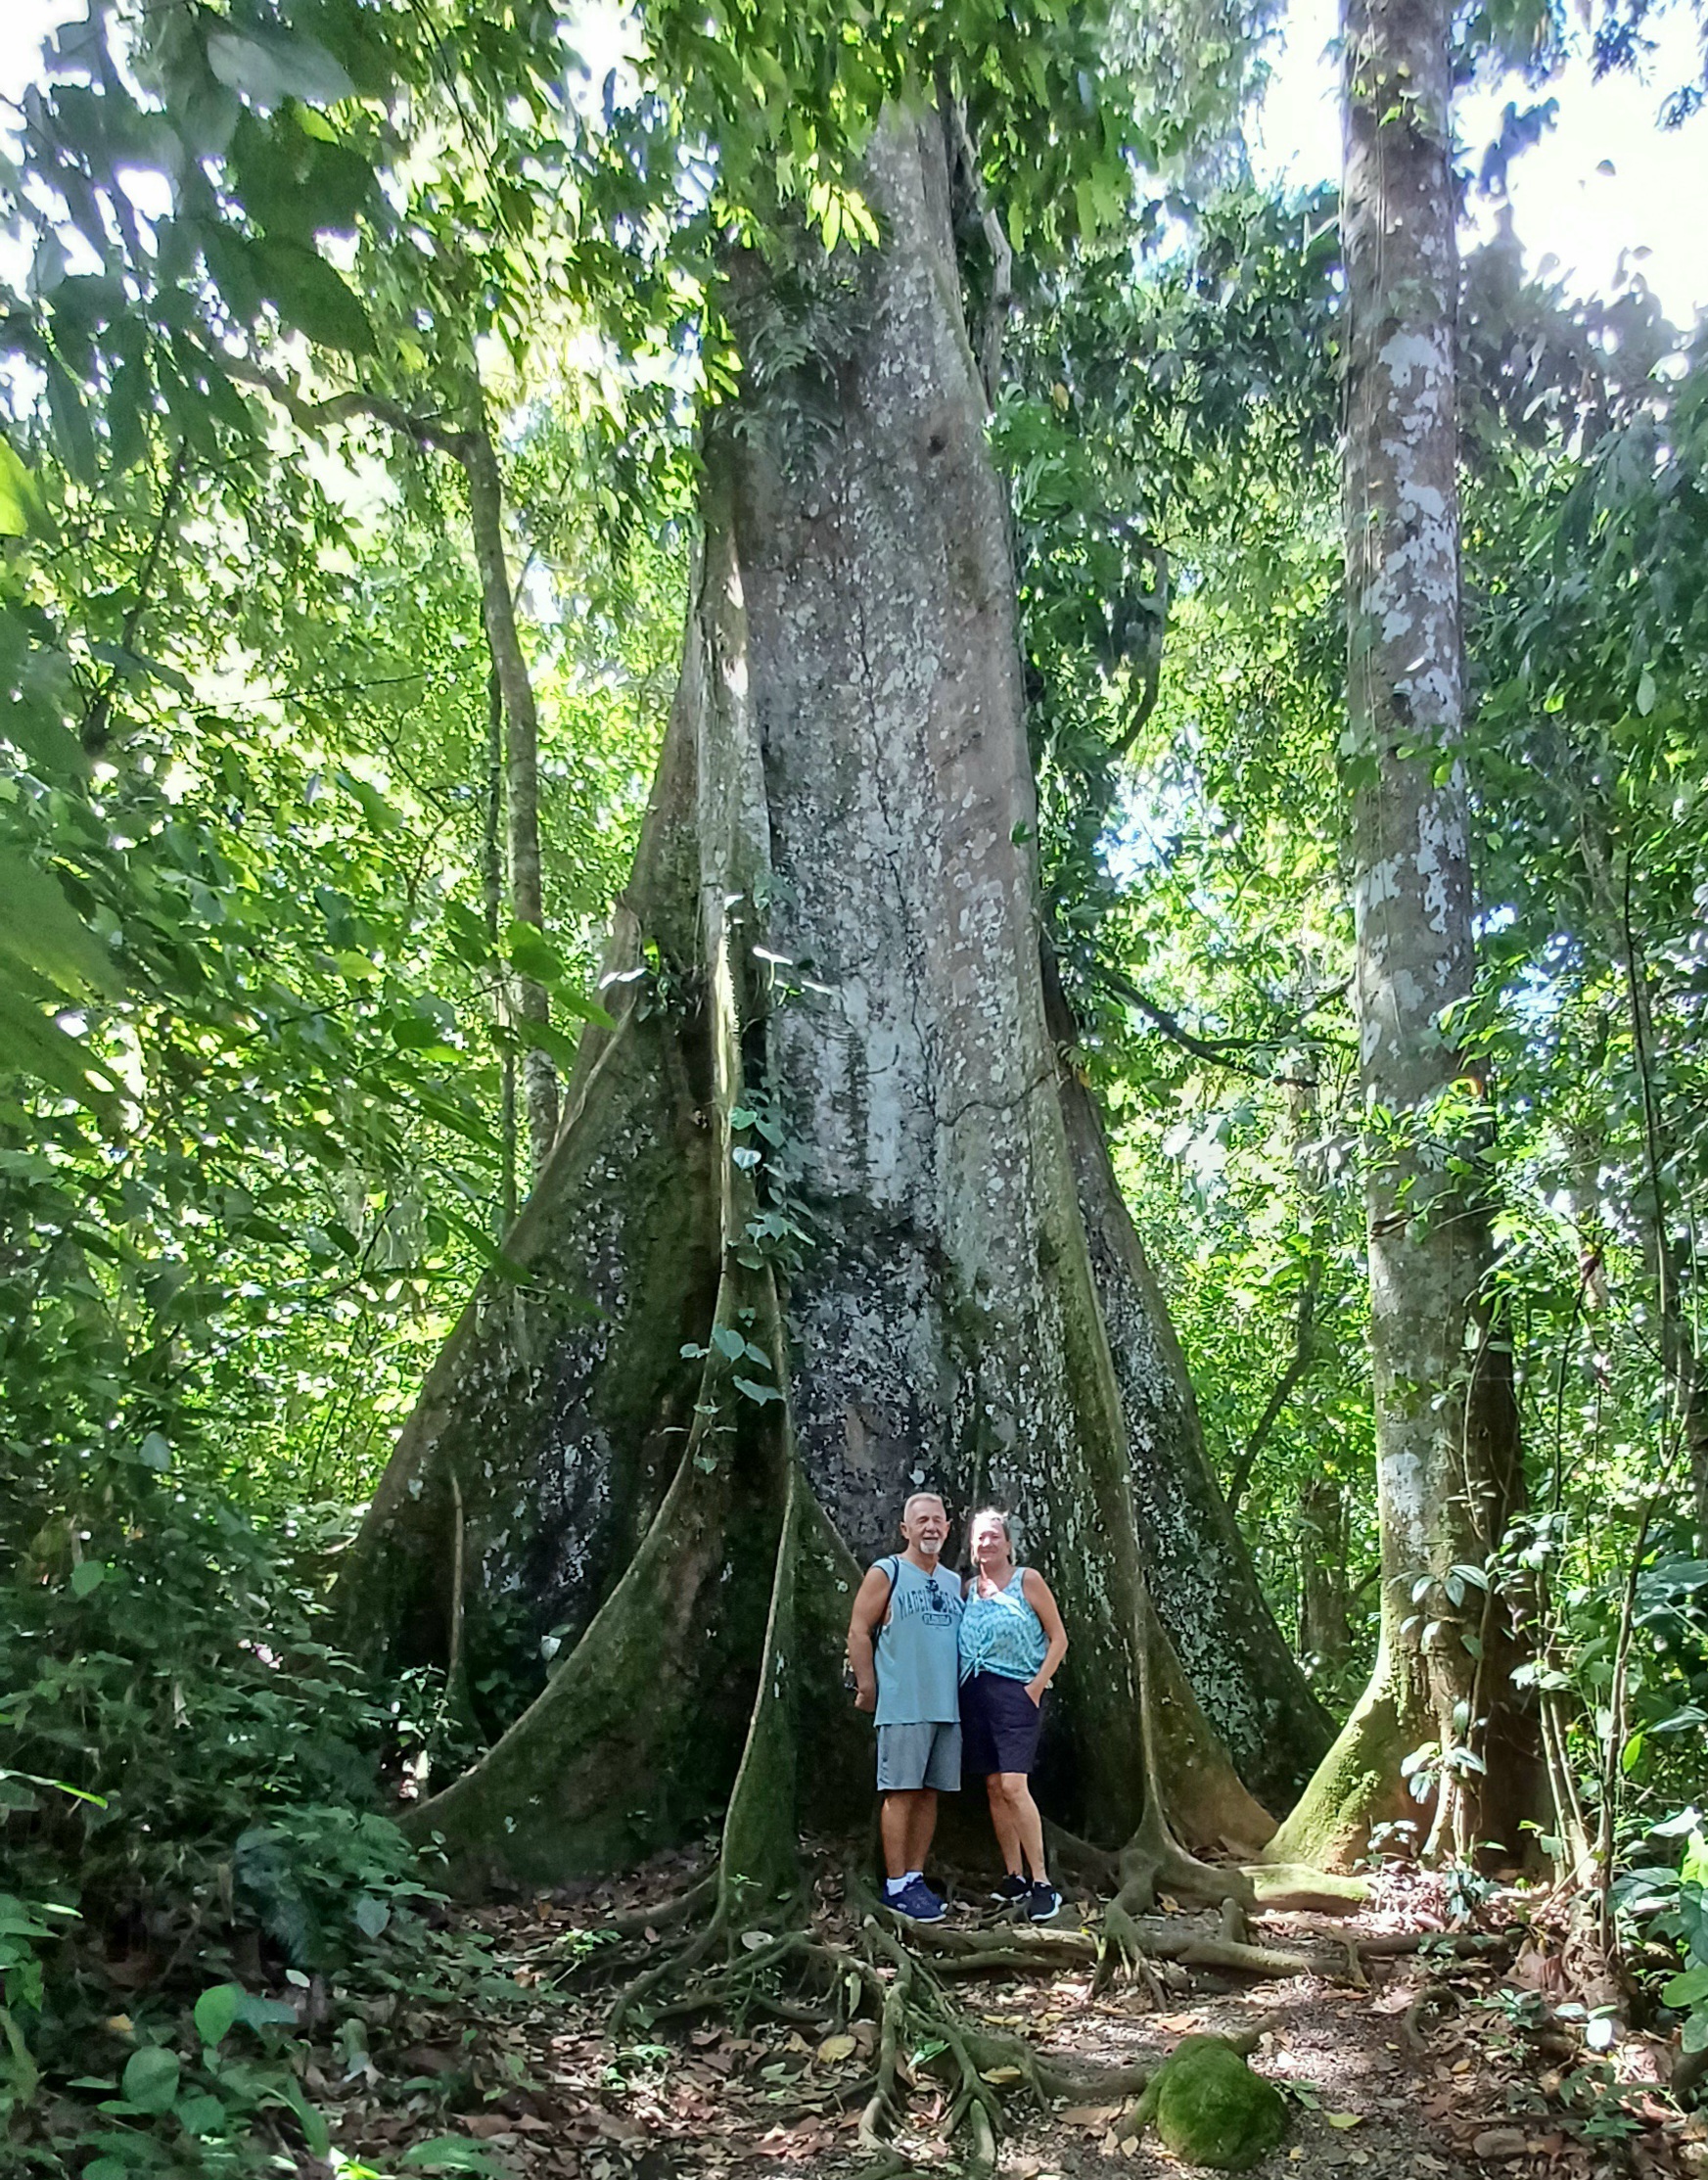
<point x="917" y="1902"/>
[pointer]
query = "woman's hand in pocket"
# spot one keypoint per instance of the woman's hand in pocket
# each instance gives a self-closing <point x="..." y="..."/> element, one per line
<point x="1035" y="1689"/>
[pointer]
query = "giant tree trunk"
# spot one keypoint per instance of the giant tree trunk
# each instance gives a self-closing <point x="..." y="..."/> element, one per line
<point x="830" y="1216"/>
<point x="1449" y="1476"/>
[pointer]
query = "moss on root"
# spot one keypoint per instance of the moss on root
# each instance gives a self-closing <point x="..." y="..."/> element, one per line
<point x="1356" y="1787"/>
<point x="638" y="1735"/>
<point x="1297" y="1888"/>
<point x="551" y="1420"/>
<point x="760" y="1862"/>
<point x="1211" y="2110"/>
<point x="630" y="1744"/>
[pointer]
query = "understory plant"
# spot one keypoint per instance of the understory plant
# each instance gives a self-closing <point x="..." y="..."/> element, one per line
<point x="192" y="1802"/>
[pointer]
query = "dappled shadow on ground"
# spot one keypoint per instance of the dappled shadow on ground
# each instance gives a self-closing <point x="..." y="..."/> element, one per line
<point x="1421" y="2063"/>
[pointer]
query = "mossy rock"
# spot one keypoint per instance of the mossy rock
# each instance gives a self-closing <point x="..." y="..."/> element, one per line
<point x="1211" y="2110"/>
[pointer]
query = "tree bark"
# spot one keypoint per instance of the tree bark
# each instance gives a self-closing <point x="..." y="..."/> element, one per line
<point x="1449" y="1476"/>
<point x="1302" y="1128"/>
<point x="1324" y="1583"/>
<point x="493" y="903"/>
<point x="479" y="461"/>
<point x="898" y="1253"/>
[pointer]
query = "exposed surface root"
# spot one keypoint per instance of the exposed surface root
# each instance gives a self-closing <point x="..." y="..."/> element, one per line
<point x="1432" y="2001"/>
<point x="667" y="1913"/>
<point x="840" y="1965"/>
<point x="1294" y="1887"/>
<point x="1075" y="1857"/>
<point x="502" y="2050"/>
<point x="867" y="1965"/>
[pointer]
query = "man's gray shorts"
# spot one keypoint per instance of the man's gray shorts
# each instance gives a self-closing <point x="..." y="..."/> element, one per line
<point x="913" y="1756"/>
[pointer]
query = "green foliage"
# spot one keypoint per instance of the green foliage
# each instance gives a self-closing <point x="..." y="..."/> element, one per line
<point x="1687" y="1922"/>
<point x="250" y="1157"/>
<point x="165" y="1672"/>
<point x="196" y="1781"/>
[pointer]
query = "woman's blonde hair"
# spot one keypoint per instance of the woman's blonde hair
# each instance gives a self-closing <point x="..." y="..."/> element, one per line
<point x="993" y="1514"/>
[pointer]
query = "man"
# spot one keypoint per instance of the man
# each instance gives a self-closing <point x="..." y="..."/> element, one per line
<point x="903" y="1646"/>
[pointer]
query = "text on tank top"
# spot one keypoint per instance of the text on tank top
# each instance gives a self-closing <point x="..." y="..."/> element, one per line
<point x="918" y="1653"/>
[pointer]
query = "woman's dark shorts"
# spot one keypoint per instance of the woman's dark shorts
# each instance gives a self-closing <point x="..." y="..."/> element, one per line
<point x="999" y="1724"/>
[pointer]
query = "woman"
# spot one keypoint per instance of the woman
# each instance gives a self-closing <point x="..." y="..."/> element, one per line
<point x="1011" y="1642"/>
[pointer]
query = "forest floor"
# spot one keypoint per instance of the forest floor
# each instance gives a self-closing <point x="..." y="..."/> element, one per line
<point x="1439" y="2070"/>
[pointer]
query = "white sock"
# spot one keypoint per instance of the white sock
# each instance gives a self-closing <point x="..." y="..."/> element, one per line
<point x="893" y="1887"/>
<point x="912" y="1877"/>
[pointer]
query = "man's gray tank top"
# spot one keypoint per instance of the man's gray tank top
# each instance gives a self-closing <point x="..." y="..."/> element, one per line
<point x="918" y="1652"/>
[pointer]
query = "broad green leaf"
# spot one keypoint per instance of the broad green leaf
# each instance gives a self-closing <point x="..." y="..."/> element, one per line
<point x="450" y="2153"/>
<point x="586" y="1009"/>
<point x="468" y="935"/>
<point x="450" y="1115"/>
<point x="72" y="429"/>
<point x="268" y="2012"/>
<point x="372" y="1915"/>
<point x="375" y="807"/>
<point x="235" y="267"/>
<point x="754" y="1391"/>
<point x="310" y="294"/>
<point x="543" y="1037"/>
<point x="135" y="668"/>
<point x="532" y="953"/>
<point x="19" y="1922"/>
<point x="312" y="2123"/>
<point x="269" y="67"/>
<point x="127" y="417"/>
<point x="1687" y="1988"/>
<point x="33" y="1044"/>
<point x="21" y="508"/>
<point x="87" y="1577"/>
<point x="218" y="2009"/>
<point x="150" y="2077"/>
<point x="39" y="928"/>
<point x="203" y="2114"/>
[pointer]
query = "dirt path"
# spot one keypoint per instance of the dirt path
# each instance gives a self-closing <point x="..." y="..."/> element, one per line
<point x="1438" y="2069"/>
